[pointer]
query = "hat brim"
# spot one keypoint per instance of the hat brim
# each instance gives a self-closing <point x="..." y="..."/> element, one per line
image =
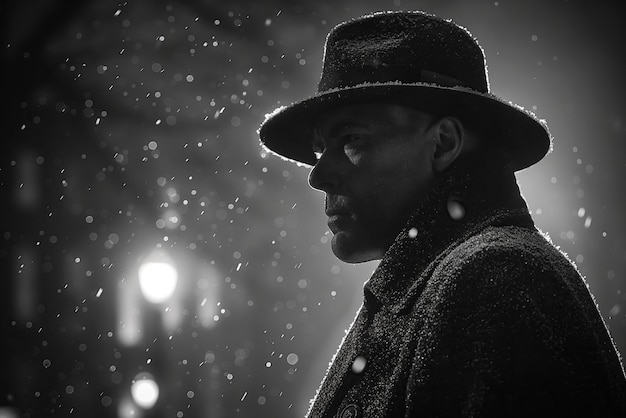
<point x="288" y="131"/>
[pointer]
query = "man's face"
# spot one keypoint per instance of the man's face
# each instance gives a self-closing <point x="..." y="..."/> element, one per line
<point x="374" y="164"/>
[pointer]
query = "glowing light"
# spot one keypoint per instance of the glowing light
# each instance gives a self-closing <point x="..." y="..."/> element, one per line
<point x="157" y="280"/>
<point x="208" y="293"/>
<point x="129" y="313"/>
<point x="144" y="390"/>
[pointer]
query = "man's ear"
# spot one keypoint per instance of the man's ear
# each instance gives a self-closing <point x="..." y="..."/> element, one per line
<point x="449" y="136"/>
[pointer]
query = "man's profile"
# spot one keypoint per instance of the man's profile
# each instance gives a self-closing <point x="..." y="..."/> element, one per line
<point x="471" y="311"/>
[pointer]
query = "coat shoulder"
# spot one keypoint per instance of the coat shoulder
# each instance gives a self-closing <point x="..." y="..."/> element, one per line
<point x="510" y="301"/>
<point x="508" y="239"/>
<point x="508" y="253"/>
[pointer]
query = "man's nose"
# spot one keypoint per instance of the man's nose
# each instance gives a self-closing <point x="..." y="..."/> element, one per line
<point x="324" y="174"/>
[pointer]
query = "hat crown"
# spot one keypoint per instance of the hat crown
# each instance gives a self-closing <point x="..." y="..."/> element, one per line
<point x="407" y="47"/>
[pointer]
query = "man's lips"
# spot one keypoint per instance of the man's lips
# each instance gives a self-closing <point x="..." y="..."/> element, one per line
<point x="338" y="219"/>
<point x="337" y="209"/>
<point x="337" y="212"/>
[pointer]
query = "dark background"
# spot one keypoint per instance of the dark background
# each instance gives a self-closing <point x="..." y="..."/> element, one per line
<point x="131" y="127"/>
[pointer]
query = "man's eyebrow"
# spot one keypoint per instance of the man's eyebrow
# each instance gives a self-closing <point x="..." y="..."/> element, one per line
<point x="334" y="128"/>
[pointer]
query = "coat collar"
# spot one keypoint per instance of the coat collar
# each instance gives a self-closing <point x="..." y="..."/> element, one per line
<point x="463" y="203"/>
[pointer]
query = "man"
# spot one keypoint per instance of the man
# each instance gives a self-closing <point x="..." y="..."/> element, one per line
<point x="471" y="311"/>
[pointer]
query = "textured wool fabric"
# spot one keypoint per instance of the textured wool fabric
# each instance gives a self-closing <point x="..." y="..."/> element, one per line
<point x="473" y="312"/>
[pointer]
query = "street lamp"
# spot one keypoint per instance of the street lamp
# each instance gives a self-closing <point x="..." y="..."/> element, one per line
<point x="157" y="280"/>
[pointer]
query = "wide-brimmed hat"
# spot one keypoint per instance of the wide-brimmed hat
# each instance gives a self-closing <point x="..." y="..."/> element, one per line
<point x="413" y="59"/>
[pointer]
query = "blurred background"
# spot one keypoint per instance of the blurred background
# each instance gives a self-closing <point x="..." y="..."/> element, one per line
<point x="157" y="263"/>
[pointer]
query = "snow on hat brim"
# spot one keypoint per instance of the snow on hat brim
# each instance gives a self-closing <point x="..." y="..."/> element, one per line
<point x="288" y="131"/>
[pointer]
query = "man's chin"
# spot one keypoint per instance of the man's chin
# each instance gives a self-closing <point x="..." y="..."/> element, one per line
<point x="350" y="249"/>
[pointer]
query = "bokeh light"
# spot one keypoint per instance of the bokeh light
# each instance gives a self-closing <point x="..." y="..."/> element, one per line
<point x="145" y="391"/>
<point x="157" y="281"/>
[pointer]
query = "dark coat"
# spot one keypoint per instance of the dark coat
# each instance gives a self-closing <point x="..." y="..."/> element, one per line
<point x="477" y="316"/>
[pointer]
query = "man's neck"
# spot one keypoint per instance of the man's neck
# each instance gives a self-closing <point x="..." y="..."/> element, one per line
<point x="470" y="197"/>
